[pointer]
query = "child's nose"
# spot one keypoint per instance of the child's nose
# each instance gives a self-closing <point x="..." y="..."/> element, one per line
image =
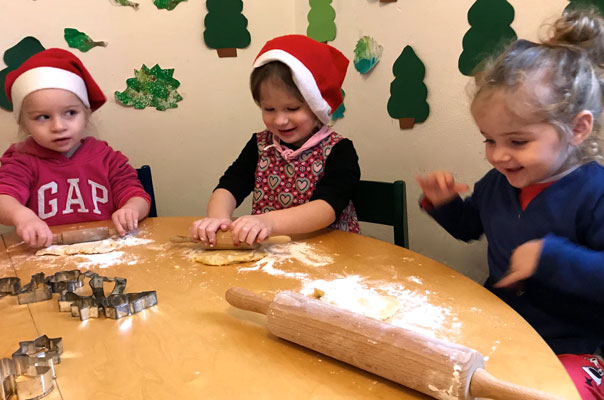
<point x="57" y="124"/>
<point x="281" y="118"/>
<point x="500" y="154"/>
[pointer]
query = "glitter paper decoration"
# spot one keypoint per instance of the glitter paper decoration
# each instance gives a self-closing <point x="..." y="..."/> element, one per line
<point x="408" y="92"/>
<point x="79" y="40"/>
<point x="167" y="4"/>
<point x="226" y="27"/>
<point x="598" y="5"/>
<point x="367" y="54"/>
<point x="153" y="87"/>
<point x="13" y="58"/>
<point x="321" y="17"/>
<point x="490" y="31"/>
<point x="125" y="3"/>
<point x="339" y="112"/>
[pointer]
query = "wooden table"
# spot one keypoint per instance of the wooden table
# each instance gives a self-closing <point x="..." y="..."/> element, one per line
<point x="193" y="344"/>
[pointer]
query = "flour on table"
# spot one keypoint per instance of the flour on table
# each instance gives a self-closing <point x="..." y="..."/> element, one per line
<point x="227" y="257"/>
<point x="350" y="295"/>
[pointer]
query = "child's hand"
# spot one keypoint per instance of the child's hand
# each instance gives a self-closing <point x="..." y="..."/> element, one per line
<point x="205" y="229"/>
<point x="439" y="187"/>
<point x="523" y="263"/>
<point x="125" y="219"/>
<point x="252" y="228"/>
<point x="33" y="230"/>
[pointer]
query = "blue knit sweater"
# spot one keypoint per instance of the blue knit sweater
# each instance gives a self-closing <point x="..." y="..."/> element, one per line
<point x="564" y="300"/>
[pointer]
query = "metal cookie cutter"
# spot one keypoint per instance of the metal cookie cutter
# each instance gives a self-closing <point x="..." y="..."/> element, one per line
<point x="29" y="374"/>
<point x="36" y="290"/>
<point x="66" y="281"/>
<point x="10" y="285"/>
<point x="116" y="305"/>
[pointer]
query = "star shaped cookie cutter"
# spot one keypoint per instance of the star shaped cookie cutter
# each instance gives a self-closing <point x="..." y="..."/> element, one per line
<point x="30" y="373"/>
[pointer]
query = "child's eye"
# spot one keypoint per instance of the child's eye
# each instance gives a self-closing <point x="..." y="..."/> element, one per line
<point x="489" y="141"/>
<point x="293" y="108"/>
<point x="268" y="109"/>
<point x="519" y="142"/>
<point x="41" y="117"/>
<point x="71" y="113"/>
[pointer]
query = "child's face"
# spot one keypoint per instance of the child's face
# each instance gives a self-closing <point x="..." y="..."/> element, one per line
<point x="284" y="115"/>
<point x="55" y="119"/>
<point x="525" y="150"/>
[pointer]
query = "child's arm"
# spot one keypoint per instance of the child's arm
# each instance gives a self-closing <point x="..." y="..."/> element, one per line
<point x="220" y="209"/>
<point x="304" y="218"/>
<point x="28" y="225"/>
<point x="126" y="218"/>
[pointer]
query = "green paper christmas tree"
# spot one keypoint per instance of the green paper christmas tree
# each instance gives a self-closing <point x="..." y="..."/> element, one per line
<point x="597" y="5"/>
<point x="167" y="4"/>
<point x="490" y="31"/>
<point x="226" y="27"/>
<point x="321" y="17"/>
<point x="153" y="87"/>
<point x="408" y="92"/>
<point x="13" y="58"/>
<point x="79" y="40"/>
<point x="339" y="112"/>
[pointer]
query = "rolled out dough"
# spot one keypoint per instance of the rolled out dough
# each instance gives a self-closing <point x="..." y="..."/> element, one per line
<point x="363" y="302"/>
<point x="228" y="257"/>
<point x="98" y="247"/>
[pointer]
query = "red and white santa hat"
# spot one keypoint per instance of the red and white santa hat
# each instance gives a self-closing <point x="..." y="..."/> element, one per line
<point x="318" y="70"/>
<point x="52" y="69"/>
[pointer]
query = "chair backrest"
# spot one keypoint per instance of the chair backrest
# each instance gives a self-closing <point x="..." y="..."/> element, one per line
<point x="144" y="175"/>
<point x="384" y="203"/>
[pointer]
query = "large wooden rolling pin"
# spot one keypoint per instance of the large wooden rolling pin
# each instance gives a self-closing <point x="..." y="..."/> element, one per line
<point x="437" y="368"/>
<point x="224" y="241"/>
<point x="81" y="235"/>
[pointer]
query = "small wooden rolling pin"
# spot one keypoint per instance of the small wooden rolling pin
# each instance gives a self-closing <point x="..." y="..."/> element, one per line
<point x="81" y="235"/>
<point x="437" y="368"/>
<point x="76" y="236"/>
<point x="224" y="241"/>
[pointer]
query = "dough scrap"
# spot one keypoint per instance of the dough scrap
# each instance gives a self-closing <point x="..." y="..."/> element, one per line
<point x="98" y="247"/>
<point x="228" y="257"/>
<point x="363" y="302"/>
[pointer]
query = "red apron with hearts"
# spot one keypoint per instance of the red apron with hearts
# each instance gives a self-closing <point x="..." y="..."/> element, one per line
<point x="281" y="184"/>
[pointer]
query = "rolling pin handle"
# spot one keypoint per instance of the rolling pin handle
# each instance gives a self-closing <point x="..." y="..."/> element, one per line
<point x="247" y="300"/>
<point x="485" y="385"/>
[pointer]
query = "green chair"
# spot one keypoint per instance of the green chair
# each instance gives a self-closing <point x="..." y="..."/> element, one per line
<point x="384" y="203"/>
<point x="144" y="176"/>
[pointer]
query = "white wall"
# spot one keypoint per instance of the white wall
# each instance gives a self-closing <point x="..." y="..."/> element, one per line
<point x="189" y="147"/>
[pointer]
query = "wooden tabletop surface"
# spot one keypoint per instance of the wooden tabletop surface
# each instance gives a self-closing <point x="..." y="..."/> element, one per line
<point x="193" y="344"/>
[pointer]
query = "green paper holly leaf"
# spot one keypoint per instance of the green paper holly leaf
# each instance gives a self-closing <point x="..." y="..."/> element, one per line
<point x="153" y="87"/>
<point x="367" y="54"/>
<point x="490" y="31"/>
<point x="126" y="3"/>
<point x="339" y="112"/>
<point x="167" y="4"/>
<point x="408" y="92"/>
<point x="321" y="17"/>
<point x="226" y="27"/>
<point x="597" y="5"/>
<point x="79" y="40"/>
<point x="13" y="58"/>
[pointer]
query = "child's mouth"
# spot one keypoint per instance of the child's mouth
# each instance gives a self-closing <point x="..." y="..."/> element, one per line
<point x="286" y="131"/>
<point x="61" y="141"/>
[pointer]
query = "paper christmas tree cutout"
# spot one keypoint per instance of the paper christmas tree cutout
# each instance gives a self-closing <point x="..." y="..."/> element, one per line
<point x="408" y="92"/>
<point x="597" y="5"/>
<point x="367" y="54"/>
<point x="13" y="58"/>
<point x="226" y="27"/>
<point x="321" y="17"/>
<point x="339" y="112"/>
<point x="153" y="87"/>
<point x="490" y="31"/>
<point x="167" y="4"/>
<point x="79" y="40"/>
